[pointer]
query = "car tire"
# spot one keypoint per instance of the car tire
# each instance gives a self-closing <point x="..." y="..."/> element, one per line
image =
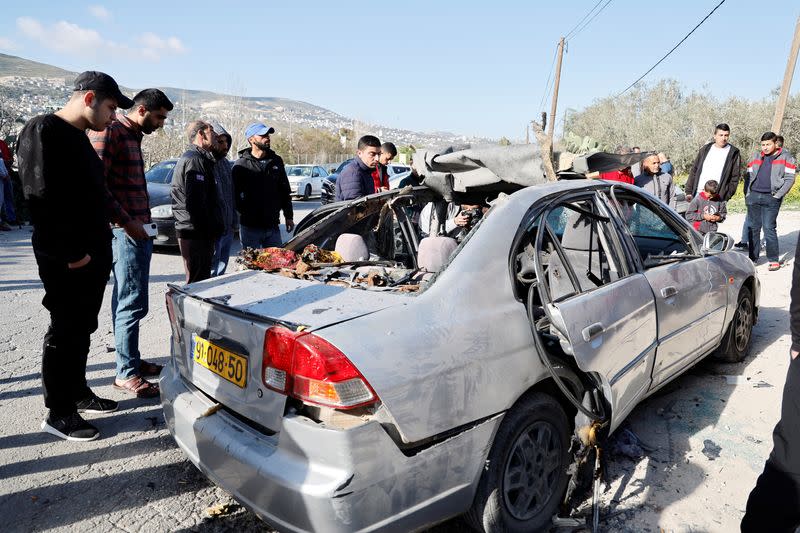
<point x="531" y="450"/>
<point x="737" y="338"/>
<point x="307" y="192"/>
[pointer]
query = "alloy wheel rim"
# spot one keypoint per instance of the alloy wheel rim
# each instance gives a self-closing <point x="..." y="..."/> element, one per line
<point x="743" y="324"/>
<point x="532" y="469"/>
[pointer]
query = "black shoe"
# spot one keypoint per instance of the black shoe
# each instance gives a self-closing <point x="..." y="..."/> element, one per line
<point x="741" y="245"/>
<point x="95" y="404"/>
<point x="71" y="427"/>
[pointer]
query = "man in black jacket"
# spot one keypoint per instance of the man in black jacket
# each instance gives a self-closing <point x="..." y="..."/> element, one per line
<point x="774" y="503"/>
<point x="62" y="177"/>
<point x="718" y="161"/>
<point x="261" y="191"/>
<point x="195" y="203"/>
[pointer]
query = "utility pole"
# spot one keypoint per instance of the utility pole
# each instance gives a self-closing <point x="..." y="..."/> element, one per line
<point x="787" y="80"/>
<point x="553" y="107"/>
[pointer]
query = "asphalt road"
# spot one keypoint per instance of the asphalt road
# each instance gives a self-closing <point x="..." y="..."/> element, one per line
<point x="708" y="437"/>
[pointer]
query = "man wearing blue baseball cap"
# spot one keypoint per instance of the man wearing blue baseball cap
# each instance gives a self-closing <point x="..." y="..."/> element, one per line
<point x="261" y="190"/>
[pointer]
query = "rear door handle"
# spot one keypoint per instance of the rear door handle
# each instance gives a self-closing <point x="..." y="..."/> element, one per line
<point x="590" y="332"/>
<point x="668" y="292"/>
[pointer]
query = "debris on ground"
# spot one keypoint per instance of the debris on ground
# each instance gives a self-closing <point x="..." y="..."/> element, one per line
<point x="221" y="509"/>
<point x="626" y="443"/>
<point x="711" y="449"/>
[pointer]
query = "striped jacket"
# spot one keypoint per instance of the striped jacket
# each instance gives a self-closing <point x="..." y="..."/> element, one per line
<point x="781" y="175"/>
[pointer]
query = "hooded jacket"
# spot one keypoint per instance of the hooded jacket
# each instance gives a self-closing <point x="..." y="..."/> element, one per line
<point x="705" y="204"/>
<point x="781" y="176"/>
<point x="661" y="186"/>
<point x="195" y="200"/>
<point x="261" y="190"/>
<point x="222" y="171"/>
<point x="728" y="180"/>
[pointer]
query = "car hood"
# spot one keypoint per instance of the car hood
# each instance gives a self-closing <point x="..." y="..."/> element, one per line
<point x="159" y="193"/>
<point x="291" y="301"/>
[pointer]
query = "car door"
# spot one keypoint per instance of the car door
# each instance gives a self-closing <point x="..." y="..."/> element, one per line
<point x="690" y="290"/>
<point x="602" y="311"/>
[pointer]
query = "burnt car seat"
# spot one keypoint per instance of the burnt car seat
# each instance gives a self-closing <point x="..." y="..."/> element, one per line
<point x="584" y="252"/>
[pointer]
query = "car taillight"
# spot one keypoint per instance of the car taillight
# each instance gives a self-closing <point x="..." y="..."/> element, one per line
<point x="176" y="329"/>
<point x="311" y="369"/>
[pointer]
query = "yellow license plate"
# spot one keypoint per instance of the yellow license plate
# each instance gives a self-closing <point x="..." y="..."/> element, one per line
<point x="227" y="365"/>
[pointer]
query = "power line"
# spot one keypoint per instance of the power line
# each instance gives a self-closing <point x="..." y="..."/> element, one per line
<point x="549" y="77"/>
<point x="569" y="33"/>
<point x="673" y="49"/>
<point x="591" y="19"/>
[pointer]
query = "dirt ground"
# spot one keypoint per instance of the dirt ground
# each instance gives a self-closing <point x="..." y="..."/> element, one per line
<point x="709" y="430"/>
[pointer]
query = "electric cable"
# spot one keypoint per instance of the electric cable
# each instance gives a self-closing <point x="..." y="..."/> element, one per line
<point x="673" y="49"/>
<point x="591" y="19"/>
<point x="569" y="33"/>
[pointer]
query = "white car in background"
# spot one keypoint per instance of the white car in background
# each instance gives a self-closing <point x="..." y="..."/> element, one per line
<point x="306" y="180"/>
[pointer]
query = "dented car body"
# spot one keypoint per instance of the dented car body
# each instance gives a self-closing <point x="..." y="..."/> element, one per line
<point x="326" y="403"/>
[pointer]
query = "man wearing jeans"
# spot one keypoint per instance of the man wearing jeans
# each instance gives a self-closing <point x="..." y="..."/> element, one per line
<point x="261" y="191"/>
<point x="120" y="148"/>
<point x="222" y="171"/>
<point x="771" y="175"/>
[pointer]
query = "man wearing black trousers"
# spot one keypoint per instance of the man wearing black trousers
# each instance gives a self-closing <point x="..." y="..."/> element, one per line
<point x="774" y="504"/>
<point x="62" y="176"/>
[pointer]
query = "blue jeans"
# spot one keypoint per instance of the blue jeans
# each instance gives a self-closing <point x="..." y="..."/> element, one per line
<point x="7" y="202"/>
<point x="131" y="268"/>
<point x="222" y="252"/>
<point x="762" y="211"/>
<point x="260" y="238"/>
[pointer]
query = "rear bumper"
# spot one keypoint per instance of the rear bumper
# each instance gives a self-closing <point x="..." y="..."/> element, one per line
<point x="166" y="235"/>
<point x="312" y="478"/>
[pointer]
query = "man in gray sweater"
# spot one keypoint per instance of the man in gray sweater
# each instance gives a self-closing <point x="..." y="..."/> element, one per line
<point x="658" y="183"/>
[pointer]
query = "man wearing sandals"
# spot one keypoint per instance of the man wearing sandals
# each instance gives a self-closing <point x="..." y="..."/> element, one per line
<point x="772" y="173"/>
<point x="120" y="148"/>
<point x="62" y="177"/>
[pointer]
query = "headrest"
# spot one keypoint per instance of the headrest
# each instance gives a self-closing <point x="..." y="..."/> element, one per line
<point x="352" y="247"/>
<point x="434" y="252"/>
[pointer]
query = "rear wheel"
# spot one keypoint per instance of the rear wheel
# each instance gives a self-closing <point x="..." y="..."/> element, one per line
<point x="526" y="472"/>
<point x="307" y="192"/>
<point x="736" y="341"/>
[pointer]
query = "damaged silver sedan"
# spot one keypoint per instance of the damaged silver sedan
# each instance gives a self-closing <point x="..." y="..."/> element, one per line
<point x="421" y="378"/>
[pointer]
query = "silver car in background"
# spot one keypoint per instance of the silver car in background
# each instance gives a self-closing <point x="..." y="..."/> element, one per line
<point x="426" y="378"/>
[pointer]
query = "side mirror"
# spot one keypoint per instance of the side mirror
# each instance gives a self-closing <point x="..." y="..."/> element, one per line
<point x="714" y="242"/>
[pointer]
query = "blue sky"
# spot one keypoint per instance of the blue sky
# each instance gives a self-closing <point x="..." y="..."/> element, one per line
<point x="476" y="68"/>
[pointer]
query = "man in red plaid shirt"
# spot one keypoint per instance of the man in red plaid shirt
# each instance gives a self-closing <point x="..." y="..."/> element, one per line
<point x="120" y="148"/>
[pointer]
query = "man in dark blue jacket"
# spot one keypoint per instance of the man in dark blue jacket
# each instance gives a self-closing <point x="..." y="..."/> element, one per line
<point x="355" y="180"/>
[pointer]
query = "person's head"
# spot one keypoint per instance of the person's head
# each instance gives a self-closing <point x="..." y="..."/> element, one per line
<point x="651" y="164"/>
<point x="201" y="134"/>
<point x="388" y="152"/>
<point x="150" y="109"/>
<point x="779" y="141"/>
<point x="369" y="148"/>
<point x="223" y="144"/>
<point x="95" y="99"/>
<point x="636" y="150"/>
<point x="722" y="133"/>
<point x="711" y="187"/>
<point x="768" y="143"/>
<point x="257" y="134"/>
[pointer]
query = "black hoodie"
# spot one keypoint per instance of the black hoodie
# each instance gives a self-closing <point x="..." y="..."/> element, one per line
<point x="261" y="190"/>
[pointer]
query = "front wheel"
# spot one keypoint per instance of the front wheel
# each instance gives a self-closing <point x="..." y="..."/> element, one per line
<point x="526" y="473"/>
<point x="307" y="192"/>
<point x="736" y="341"/>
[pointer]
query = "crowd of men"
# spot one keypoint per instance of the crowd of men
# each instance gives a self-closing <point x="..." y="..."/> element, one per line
<point x="105" y="182"/>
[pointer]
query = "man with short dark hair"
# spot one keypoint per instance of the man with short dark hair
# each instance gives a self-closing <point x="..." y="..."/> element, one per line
<point x="771" y="174"/>
<point x="718" y="161"/>
<point x="380" y="175"/>
<point x="261" y="190"/>
<point x="355" y="179"/>
<point x="62" y="176"/>
<point x="222" y="171"/>
<point x="120" y="148"/>
<point x="195" y="202"/>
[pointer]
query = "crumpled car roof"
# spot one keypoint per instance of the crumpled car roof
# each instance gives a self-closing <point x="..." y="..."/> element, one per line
<point x="476" y="171"/>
